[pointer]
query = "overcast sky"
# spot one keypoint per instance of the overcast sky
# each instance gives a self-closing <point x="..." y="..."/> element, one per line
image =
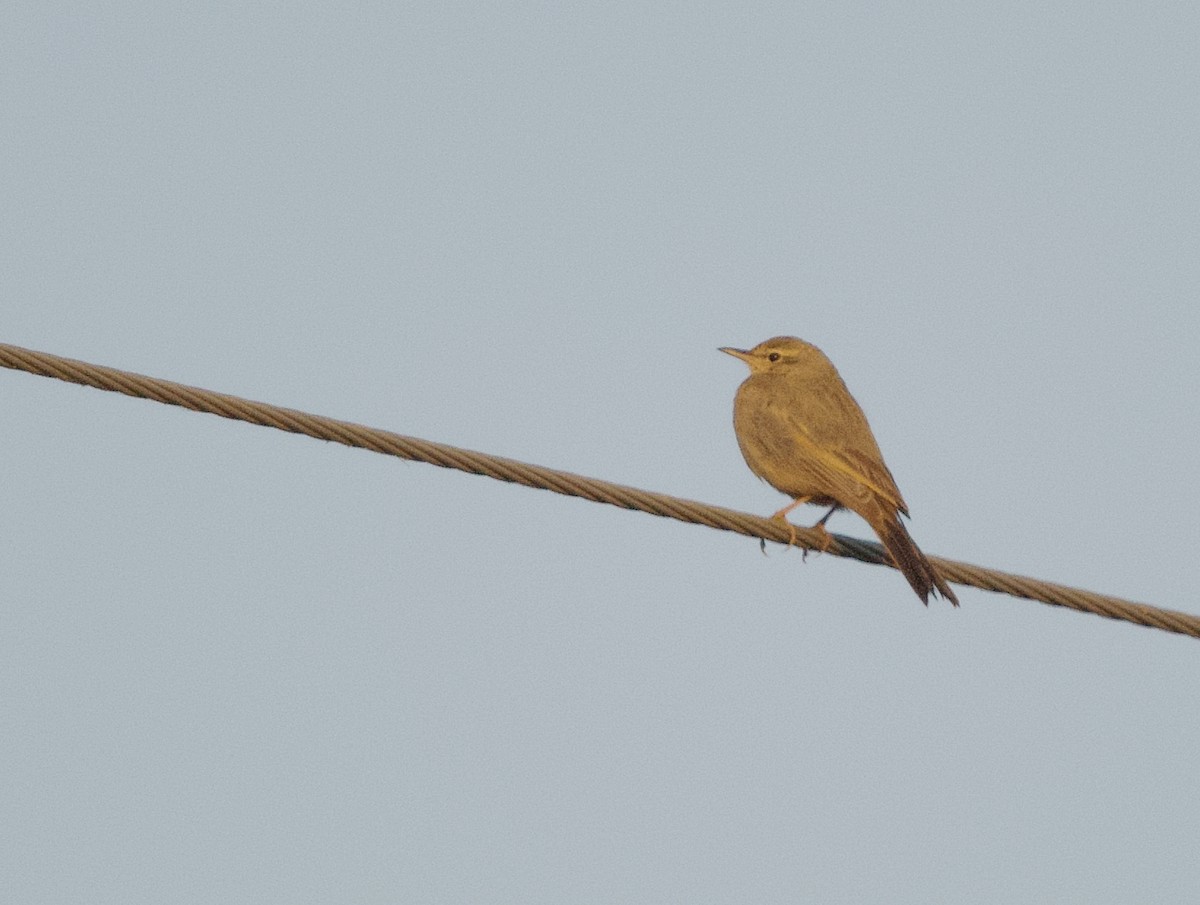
<point x="244" y="666"/>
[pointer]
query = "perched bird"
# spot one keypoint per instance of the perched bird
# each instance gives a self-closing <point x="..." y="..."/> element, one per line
<point x="801" y="431"/>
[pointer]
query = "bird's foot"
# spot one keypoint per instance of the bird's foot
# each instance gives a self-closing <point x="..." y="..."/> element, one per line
<point x="826" y="539"/>
<point x="791" y="528"/>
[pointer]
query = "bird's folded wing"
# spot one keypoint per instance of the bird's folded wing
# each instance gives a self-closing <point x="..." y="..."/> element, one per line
<point x="850" y="474"/>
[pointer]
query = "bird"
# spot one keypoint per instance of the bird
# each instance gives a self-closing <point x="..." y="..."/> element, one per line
<point x="801" y="431"/>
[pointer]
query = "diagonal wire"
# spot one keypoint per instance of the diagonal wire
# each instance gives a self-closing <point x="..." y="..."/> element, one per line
<point x="563" y="482"/>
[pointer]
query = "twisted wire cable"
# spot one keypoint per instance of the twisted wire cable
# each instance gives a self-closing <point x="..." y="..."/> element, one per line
<point x="414" y="449"/>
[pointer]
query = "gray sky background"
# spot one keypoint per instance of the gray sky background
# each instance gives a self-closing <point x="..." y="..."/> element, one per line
<point x="243" y="666"/>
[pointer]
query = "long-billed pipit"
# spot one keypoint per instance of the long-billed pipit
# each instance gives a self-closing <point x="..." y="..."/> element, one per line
<point x="801" y="431"/>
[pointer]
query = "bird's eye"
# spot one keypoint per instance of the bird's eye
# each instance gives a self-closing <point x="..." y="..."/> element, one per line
<point x="774" y="356"/>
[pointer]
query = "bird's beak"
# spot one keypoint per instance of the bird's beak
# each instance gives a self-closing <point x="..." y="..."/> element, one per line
<point x="736" y="353"/>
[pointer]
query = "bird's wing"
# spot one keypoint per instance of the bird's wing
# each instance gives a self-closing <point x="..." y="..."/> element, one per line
<point x="833" y="434"/>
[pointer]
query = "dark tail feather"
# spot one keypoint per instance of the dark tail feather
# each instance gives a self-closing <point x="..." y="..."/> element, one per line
<point x="908" y="558"/>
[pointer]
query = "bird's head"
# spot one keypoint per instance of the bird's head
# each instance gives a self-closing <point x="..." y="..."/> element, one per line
<point x="782" y="354"/>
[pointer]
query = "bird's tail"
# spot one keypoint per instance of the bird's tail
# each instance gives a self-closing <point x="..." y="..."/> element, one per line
<point x="909" y="559"/>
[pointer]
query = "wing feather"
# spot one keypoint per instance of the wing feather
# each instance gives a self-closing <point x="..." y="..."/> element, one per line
<point x="832" y="432"/>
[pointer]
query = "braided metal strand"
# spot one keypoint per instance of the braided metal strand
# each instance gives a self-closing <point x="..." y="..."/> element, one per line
<point x="563" y="482"/>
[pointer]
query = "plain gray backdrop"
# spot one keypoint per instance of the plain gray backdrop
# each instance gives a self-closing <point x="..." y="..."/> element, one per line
<point x="238" y="665"/>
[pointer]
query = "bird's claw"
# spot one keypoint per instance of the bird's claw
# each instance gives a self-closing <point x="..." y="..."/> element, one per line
<point x="791" y="531"/>
<point x="826" y="540"/>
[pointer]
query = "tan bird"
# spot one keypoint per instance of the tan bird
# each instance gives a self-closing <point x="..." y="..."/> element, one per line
<point x="801" y="431"/>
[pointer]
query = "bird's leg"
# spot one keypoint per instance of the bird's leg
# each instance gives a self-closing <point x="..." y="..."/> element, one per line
<point x="826" y="537"/>
<point x="782" y="516"/>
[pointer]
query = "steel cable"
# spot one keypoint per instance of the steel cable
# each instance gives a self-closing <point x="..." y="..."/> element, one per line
<point x="563" y="482"/>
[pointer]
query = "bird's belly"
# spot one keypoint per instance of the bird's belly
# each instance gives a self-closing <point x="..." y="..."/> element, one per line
<point x="790" y="479"/>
